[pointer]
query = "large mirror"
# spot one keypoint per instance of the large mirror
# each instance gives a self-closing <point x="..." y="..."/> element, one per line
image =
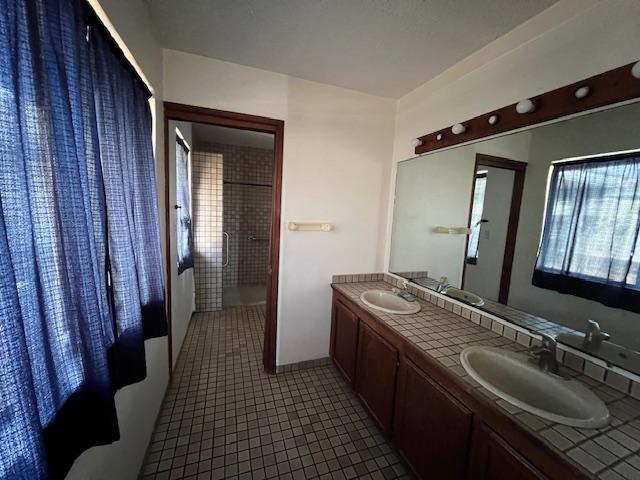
<point x="540" y="227"/>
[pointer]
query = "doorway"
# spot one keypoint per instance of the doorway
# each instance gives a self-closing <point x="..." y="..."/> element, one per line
<point x="493" y="221"/>
<point x="236" y="166"/>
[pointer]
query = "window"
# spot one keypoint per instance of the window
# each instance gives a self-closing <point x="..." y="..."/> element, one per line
<point x="476" y="216"/>
<point x="589" y="244"/>
<point x="184" y="228"/>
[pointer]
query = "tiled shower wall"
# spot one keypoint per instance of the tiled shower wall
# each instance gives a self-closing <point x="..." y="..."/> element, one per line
<point x="206" y="178"/>
<point x="248" y="174"/>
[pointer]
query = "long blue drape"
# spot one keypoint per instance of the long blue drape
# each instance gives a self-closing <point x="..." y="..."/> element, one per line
<point x="125" y="149"/>
<point x="591" y="237"/>
<point x="82" y="283"/>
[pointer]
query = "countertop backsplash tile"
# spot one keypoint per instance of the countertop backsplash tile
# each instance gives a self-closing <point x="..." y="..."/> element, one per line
<point x="582" y="362"/>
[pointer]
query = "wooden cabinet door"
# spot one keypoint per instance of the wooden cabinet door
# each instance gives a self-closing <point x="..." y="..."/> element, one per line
<point x="433" y="429"/>
<point x="494" y="459"/>
<point x="344" y="340"/>
<point x="376" y="376"/>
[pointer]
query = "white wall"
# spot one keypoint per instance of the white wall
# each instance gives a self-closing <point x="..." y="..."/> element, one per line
<point x="572" y="40"/>
<point x="337" y="146"/>
<point x="137" y="405"/>
<point x="182" y="286"/>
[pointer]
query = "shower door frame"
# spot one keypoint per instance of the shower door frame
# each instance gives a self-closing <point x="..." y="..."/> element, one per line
<point x="241" y="121"/>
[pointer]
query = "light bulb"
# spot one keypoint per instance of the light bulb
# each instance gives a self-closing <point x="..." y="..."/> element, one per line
<point x="458" y="128"/>
<point x="582" y="92"/>
<point x="525" y="106"/>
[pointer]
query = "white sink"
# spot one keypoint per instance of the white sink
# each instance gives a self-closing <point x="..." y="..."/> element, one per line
<point x="514" y="378"/>
<point x="389" y="302"/>
<point x="468" y="297"/>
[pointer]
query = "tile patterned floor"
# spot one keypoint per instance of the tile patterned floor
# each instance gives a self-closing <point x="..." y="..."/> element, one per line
<point x="224" y="418"/>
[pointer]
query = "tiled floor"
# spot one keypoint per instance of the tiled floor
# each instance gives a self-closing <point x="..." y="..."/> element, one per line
<point x="224" y="418"/>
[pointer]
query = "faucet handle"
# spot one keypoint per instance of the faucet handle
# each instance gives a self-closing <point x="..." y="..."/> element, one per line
<point x="594" y="331"/>
<point x="547" y="340"/>
<point x="545" y="354"/>
<point x="404" y="283"/>
<point x="548" y="345"/>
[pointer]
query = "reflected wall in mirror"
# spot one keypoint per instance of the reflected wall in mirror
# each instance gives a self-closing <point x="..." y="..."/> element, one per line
<point x="587" y="269"/>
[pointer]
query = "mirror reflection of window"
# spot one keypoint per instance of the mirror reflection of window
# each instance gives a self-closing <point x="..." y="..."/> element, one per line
<point x="479" y="191"/>
<point x="590" y="239"/>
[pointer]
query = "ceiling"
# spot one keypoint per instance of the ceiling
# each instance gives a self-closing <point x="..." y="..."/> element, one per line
<point x="382" y="47"/>
<point x="231" y="136"/>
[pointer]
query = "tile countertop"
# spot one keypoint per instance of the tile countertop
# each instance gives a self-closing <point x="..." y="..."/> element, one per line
<point x="611" y="452"/>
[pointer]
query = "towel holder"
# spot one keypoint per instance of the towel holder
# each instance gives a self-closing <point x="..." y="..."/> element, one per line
<point x="309" y="227"/>
<point x="453" y="230"/>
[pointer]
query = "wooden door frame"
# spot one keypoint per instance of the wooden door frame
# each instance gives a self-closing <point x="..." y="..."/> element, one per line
<point x="519" y="170"/>
<point x="254" y="123"/>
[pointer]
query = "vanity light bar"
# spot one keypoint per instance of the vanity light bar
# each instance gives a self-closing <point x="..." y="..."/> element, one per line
<point x="609" y="88"/>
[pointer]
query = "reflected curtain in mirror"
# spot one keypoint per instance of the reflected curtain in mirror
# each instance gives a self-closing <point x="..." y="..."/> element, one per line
<point x="589" y="244"/>
<point x="184" y="225"/>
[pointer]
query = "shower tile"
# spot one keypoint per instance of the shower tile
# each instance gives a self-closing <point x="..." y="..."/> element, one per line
<point x="207" y="195"/>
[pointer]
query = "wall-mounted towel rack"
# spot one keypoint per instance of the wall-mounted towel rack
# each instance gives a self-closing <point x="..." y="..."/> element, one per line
<point x="453" y="230"/>
<point x="309" y="227"/>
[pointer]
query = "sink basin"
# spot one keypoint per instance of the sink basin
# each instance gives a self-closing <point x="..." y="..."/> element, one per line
<point x="520" y="382"/>
<point x="467" y="297"/>
<point x="389" y="302"/>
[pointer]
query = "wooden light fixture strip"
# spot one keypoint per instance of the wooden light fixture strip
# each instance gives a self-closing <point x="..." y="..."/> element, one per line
<point x="608" y="88"/>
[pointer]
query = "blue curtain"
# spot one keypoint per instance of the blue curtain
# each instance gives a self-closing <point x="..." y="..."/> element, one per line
<point x="81" y="284"/>
<point x="135" y="265"/>
<point x="184" y="228"/>
<point x="590" y="239"/>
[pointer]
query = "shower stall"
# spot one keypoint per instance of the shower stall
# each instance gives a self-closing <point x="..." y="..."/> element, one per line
<point x="232" y="201"/>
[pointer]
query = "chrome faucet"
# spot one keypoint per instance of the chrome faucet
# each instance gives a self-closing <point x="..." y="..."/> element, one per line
<point x="545" y="354"/>
<point x="594" y="336"/>
<point x="403" y="292"/>
<point x="442" y="285"/>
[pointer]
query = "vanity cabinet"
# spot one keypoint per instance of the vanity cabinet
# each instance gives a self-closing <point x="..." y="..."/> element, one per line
<point x="376" y="372"/>
<point x="432" y="430"/>
<point x="441" y="427"/>
<point x="344" y="340"/>
<point x="493" y="459"/>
